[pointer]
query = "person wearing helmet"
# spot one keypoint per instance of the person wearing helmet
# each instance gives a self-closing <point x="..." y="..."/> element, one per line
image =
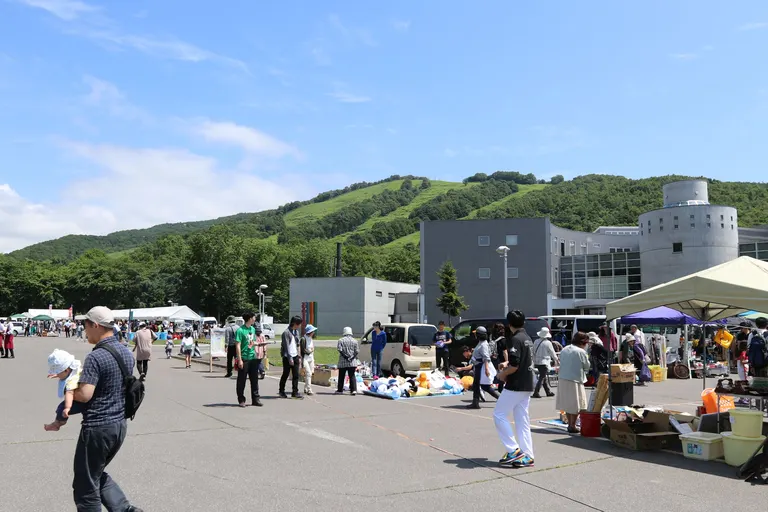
<point x="483" y="369"/>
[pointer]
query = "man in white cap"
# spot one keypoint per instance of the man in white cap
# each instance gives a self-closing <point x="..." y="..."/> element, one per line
<point x="102" y="391"/>
<point x="544" y="357"/>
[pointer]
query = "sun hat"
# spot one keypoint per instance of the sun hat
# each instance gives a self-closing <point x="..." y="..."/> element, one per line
<point x="58" y="361"/>
<point x="594" y="338"/>
<point x="142" y="324"/>
<point x="309" y="329"/>
<point x="231" y="319"/>
<point x="629" y="337"/>
<point x="347" y="331"/>
<point x="544" y="333"/>
<point x="101" y="315"/>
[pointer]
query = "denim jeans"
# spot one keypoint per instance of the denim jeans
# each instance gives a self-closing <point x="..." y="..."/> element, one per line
<point x="376" y="363"/>
<point x="92" y="486"/>
<point x="77" y="408"/>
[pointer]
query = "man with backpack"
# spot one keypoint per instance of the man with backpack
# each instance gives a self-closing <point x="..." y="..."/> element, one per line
<point x="107" y="388"/>
<point x="757" y="349"/>
<point x="230" y="330"/>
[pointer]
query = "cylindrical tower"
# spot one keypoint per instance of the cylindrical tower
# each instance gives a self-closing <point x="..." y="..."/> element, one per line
<point x="687" y="235"/>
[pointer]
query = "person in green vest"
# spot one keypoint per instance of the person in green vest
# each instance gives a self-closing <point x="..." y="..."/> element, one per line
<point x="247" y="364"/>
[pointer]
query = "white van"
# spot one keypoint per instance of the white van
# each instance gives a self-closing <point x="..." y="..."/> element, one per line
<point x="410" y="348"/>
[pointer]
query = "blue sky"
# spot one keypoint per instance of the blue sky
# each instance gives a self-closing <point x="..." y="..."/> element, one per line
<point x="118" y="115"/>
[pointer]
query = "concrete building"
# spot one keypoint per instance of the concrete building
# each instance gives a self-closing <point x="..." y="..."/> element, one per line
<point x="687" y="235"/>
<point x="552" y="270"/>
<point x="356" y="302"/>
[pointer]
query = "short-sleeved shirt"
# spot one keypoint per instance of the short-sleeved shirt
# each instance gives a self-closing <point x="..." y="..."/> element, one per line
<point x="519" y="348"/>
<point x="244" y="336"/>
<point x="100" y="369"/>
<point x="441" y="338"/>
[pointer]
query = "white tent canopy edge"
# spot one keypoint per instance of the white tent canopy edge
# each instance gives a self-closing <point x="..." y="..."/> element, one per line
<point x="718" y="292"/>
<point x="163" y="313"/>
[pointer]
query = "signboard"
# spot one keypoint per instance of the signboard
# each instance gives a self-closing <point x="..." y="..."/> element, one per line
<point x="267" y="298"/>
<point x="218" y="345"/>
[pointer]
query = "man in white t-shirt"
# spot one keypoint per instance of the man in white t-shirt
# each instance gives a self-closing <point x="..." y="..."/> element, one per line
<point x="639" y="336"/>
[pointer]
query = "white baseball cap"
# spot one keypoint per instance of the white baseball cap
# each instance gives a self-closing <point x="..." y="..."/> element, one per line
<point x="101" y="315"/>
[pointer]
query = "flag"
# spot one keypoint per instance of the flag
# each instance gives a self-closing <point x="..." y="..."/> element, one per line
<point x="70" y="311"/>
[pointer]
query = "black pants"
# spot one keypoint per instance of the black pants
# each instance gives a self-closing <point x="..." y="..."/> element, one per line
<point x="77" y="408"/>
<point x="343" y="372"/>
<point x="251" y="372"/>
<point x="142" y="366"/>
<point x="442" y="360"/>
<point x="476" y="386"/>
<point x="290" y="365"/>
<point x="231" y="354"/>
<point x="543" y="379"/>
<point x="92" y="486"/>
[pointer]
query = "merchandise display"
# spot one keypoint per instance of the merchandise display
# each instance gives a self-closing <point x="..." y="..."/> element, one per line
<point x="432" y="384"/>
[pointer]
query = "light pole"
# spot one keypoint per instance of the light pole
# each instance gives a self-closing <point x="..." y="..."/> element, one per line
<point x="261" y="304"/>
<point x="503" y="250"/>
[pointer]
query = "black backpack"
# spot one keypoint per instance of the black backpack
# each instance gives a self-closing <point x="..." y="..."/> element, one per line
<point x="758" y="351"/>
<point x="134" y="388"/>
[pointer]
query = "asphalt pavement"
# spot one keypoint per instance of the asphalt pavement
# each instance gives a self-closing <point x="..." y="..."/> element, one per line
<point x="191" y="448"/>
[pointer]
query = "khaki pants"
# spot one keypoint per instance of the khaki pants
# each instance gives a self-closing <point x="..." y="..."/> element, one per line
<point x="309" y="369"/>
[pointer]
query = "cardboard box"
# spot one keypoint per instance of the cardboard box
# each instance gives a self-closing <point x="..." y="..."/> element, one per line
<point x="621" y="373"/>
<point x="654" y="433"/>
<point x="323" y="376"/>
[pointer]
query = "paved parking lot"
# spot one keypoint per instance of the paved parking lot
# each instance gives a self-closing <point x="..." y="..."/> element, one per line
<point x="190" y="448"/>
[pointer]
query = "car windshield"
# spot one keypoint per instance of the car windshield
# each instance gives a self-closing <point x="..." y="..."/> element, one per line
<point x="421" y="334"/>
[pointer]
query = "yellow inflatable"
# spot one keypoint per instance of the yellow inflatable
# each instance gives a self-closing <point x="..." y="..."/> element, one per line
<point x="467" y="382"/>
<point x="724" y="338"/>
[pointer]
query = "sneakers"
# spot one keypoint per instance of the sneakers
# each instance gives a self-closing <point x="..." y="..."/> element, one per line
<point x="282" y="395"/>
<point x="535" y="395"/>
<point x="550" y="394"/>
<point x="509" y="458"/>
<point x="338" y="392"/>
<point x="473" y="405"/>
<point x="525" y="462"/>
<point x="257" y="403"/>
<point x="354" y="393"/>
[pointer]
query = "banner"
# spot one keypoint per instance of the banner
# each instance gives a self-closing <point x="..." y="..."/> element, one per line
<point x="218" y="348"/>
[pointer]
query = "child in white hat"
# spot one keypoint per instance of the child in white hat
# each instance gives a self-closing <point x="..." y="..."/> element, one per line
<point x="63" y="366"/>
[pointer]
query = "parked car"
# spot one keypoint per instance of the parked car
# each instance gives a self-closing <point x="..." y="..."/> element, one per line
<point x="268" y="331"/>
<point x="410" y="348"/>
<point x="464" y="333"/>
<point x="18" y="328"/>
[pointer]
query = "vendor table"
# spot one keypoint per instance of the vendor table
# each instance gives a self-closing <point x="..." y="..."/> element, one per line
<point x="760" y="404"/>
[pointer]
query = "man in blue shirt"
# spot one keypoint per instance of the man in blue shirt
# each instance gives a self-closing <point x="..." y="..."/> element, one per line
<point x="378" y="342"/>
<point x="102" y="393"/>
<point x="442" y="340"/>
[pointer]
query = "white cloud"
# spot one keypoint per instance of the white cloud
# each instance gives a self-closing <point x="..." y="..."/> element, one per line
<point x="346" y="97"/>
<point x="401" y="25"/>
<point x="106" y="95"/>
<point x="111" y="199"/>
<point x="351" y="34"/>
<point x="755" y="25"/>
<point x="67" y="10"/>
<point x="249" y="139"/>
<point x="683" y="56"/>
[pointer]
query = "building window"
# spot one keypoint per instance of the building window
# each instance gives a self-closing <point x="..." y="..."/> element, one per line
<point x="391" y="295"/>
<point x="722" y="217"/>
<point x="484" y="273"/>
<point x="731" y="218"/>
<point x="677" y="247"/>
<point x="511" y="239"/>
<point x="484" y="240"/>
<point x="675" y="217"/>
<point x="649" y="222"/>
<point x="379" y="294"/>
<point x="722" y="226"/>
<point x="661" y="228"/>
<point x="661" y="220"/>
<point x="649" y="231"/>
<point x="512" y="272"/>
<point x="709" y="216"/>
<point x="693" y="216"/>
<point x="596" y="246"/>
<point x="555" y="276"/>
<point x="709" y="224"/>
<point x="731" y="226"/>
<point x="676" y="226"/>
<point x="693" y="224"/>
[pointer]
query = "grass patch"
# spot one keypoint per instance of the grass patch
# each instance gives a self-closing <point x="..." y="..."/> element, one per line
<point x="318" y="210"/>
<point x="413" y="238"/>
<point x="323" y="355"/>
<point x="523" y="190"/>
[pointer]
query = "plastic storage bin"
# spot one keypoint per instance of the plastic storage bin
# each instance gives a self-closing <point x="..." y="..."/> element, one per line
<point x="746" y="423"/>
<point x="657" y="373"/>
<point x="710" y="401"/>
<point x="737" y="449"/>
<point x="702" y="445"/>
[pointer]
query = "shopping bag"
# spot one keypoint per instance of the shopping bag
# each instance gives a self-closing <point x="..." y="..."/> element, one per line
<point x="487" y="380"/>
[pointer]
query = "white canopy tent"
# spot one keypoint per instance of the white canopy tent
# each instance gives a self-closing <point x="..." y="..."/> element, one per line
<point x="171" y="313"/>
<point x="723" y="291"/>
<point x="57" y="314"/>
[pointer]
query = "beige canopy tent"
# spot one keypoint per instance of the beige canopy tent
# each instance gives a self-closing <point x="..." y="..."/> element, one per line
<point x="723" y="291"/>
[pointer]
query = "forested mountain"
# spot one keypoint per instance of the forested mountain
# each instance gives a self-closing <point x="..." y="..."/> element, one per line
<point x="216" y="266"/>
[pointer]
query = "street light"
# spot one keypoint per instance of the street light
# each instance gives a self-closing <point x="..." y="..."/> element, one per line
<point x="502" y="250"/>
<point x="260" y="293"/>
